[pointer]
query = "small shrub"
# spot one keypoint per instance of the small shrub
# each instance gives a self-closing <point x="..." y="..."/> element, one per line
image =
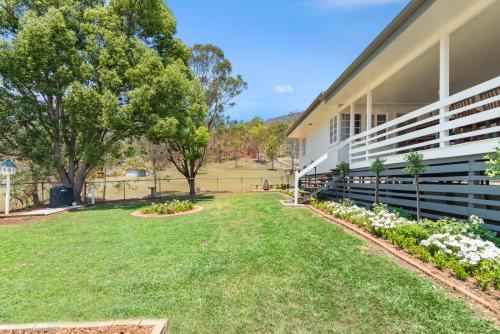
<point x="402" y="213"/>
<point x="379" y="207"/>
<point x="423" y="253"/>
<point x="347" y="202"/>
<point x="167" y="208"/>
<point x="415" y="231"/>
<point x="460" y="270"/>
<point x="440" y="260"/>
<point x="485" y="274"/>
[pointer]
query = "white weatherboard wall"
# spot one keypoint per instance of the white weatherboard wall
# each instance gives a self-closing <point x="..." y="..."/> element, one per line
<point x="317" y="143"/>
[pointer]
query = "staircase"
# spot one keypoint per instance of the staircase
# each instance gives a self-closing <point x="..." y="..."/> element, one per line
<point x="313" y="184"/>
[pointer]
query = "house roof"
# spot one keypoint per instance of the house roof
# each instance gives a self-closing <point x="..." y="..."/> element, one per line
<point x="391" y="29"/>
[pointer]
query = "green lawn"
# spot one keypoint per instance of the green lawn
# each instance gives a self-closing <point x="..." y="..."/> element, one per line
<point x="243" y="265"/>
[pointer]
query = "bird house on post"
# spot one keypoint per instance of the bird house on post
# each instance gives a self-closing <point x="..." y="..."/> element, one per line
<point x="7" y="168"/>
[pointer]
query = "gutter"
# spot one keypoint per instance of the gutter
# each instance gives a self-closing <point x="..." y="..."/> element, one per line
<point x="385" y="35"/>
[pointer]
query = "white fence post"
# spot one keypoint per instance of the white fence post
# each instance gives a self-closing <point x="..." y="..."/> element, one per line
<point x="7" y="194"/>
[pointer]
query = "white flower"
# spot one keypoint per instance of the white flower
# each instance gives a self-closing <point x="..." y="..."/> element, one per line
<point x="469" y="249"/>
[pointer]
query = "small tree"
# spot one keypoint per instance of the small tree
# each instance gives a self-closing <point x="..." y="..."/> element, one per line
<point x="343" y="169"/>
<point x="415" y="166"/>
<point x="293" y="145"/>
<point x="377" y="166"/>
<point x="272" y="149"/>
<point x="493" y="163"/>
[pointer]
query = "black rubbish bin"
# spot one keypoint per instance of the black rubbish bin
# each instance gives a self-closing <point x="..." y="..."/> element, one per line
<point x="61" y="196"/>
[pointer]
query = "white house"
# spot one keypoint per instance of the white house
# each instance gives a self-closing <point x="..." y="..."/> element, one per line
<point x="430" y="82"/>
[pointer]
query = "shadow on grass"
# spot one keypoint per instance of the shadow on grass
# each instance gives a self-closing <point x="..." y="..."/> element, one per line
<point x="137" y="203"/>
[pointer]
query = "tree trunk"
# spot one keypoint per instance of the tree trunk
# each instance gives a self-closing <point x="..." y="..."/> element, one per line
<point x="417" y="188"/>
<point x="272" y="164"/>
<point x="105" y="184"/>
<point x="343" y="187"/>
<point x="34" y="195"/>
<point x="377" y="181"/>
<point x="77" y="189"/>
<point x="192" y="186"/>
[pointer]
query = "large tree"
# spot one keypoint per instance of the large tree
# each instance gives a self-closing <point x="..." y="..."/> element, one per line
<point x="214" y="71"/>
<point x="76" y="77"/>
<point x="180" y="123"/>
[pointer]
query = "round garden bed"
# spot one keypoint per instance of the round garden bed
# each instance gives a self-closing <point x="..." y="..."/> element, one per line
<point x="171" y="208"/>
<point x="139" y="214"/>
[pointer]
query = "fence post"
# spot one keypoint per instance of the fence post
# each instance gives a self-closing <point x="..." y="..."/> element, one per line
<point x="124" y="197"/>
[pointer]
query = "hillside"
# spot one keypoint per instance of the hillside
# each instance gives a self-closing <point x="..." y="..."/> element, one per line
<point x="284" y="118"/>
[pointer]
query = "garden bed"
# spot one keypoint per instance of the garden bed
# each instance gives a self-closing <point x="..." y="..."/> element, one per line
<point x="111" y="327"/>
<point x="169" y="208"/>
<point x="139" y="214"/>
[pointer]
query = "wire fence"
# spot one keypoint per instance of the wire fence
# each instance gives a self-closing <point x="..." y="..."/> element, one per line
<point x="27" y="195"/>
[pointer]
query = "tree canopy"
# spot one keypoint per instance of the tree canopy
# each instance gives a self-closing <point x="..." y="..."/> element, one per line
<point x="76" y="77"/>
<point x="214" y="71"/>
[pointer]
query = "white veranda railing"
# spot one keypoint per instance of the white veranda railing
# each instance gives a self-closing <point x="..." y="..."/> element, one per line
<point x="470" y="115"/>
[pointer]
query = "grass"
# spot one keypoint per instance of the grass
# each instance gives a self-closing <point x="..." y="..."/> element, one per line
<point x="244" y="264"/>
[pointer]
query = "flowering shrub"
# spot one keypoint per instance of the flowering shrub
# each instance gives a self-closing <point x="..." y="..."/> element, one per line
<point x="470" y="250"/>
<point x="167" y="208"/>
<point x="466" y="247"/>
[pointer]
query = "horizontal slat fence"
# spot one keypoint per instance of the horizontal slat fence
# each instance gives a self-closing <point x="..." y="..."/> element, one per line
<point x="456" y="187"/>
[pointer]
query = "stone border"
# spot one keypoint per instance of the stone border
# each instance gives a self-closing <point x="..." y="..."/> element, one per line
<point x="159" y="325"/>
<point x="139" y="214"/>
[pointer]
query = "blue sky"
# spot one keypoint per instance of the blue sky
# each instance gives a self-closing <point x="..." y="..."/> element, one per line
<point x="287" y="50"/>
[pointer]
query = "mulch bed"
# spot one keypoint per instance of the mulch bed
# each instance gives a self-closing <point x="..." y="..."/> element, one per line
<point x="100" y="330"/>
<point x="139" y="214"/>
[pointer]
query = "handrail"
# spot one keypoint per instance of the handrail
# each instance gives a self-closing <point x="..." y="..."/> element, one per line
<point x="298" y="175"/>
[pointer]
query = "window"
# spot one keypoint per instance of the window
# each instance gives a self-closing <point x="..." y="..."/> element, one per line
<point x="377" y="120"/>
<point x="333" y="130"/>
<point x="303" y="146"/>
<point x="357" y="124"/>
<point x="345" y="126"/>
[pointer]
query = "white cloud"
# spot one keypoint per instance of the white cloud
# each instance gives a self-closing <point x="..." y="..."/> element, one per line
<point x="353" y="4"/>
<point x="283" y="89"/>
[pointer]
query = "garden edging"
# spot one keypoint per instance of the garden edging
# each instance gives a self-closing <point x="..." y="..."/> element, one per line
<point x="407" y="259"/>
<point x="159" y="326"/>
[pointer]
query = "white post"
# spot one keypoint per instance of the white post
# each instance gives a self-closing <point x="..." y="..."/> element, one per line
<point x="444" y="83"/>
<point x="339" y="127"/>
<point x="7" y="194"/>
<point x="351" y="120"/>
<point x="296" y="189"/>
<point x="306" y="170"/>
<point x="92" y="200"/>
<point x="369" y="109"/>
